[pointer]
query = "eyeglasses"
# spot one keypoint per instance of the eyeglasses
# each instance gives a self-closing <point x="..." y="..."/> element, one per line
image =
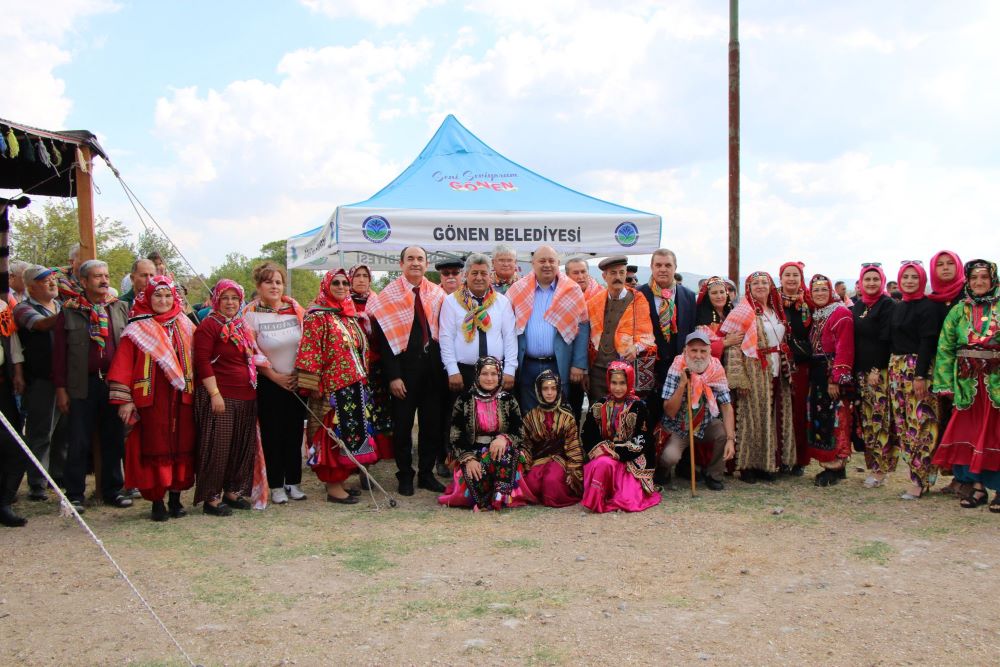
<point x="449" y="274"/>
<point x="871" y="265"/>
<point x="911" y="261"/>
<point x="339" y="283"/>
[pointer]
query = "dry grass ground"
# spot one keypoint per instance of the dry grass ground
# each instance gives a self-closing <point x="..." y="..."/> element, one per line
<point x="841" y="576"/>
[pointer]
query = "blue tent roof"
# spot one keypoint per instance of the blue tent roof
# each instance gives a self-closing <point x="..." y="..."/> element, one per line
<point x="454" y="154"/>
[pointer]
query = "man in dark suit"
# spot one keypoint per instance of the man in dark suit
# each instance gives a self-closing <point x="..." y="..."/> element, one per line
<point x="672" y="311"/>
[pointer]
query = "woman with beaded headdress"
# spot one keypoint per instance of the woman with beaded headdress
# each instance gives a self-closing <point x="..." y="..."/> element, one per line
<point x="967" y="369"/>
<point x="552" y="446"/>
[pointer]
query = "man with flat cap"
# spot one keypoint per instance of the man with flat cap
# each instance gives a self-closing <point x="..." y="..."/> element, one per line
<point x="619" y="325"/>
<point x="450" y="271"/>
<point x="712" y="417"/>
<point x="631" y="275"/>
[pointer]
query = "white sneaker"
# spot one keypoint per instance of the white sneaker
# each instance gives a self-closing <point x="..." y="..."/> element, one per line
<point x="278" y="496"/>
<point x="873" y="482"/>
<point x="294" y="492"/>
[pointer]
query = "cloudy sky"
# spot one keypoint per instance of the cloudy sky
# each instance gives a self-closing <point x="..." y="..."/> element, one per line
<point x="869" y="128"/>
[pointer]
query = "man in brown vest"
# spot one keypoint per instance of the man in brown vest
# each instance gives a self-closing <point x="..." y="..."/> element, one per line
<point x="86" y="335"/>
<point x="619" y="324"/>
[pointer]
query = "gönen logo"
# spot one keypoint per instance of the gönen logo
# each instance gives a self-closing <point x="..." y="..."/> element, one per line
<point x="376" y="229"/>
<point x="627" y="234"/>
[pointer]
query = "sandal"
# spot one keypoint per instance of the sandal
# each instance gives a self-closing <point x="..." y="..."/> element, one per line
<point x="974" y="499"/>
<point x="995" y="505"/>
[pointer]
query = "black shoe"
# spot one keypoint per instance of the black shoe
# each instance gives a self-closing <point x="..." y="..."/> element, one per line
<point x="120" y="501"/>
<point x="353" y="493"/>
<point x="9" y="519"/>
<point x="349" y="500"/>
<point x="429" y="482"/>
<point x="441" y="470"/>
<point x="38" y="495"/>
<point x="748" y="476"/>
<point x="834" y="476"/>
<point x="159" y="512"/>
<point x="78" y="505"/>
<point x="714" y="484"/>
<point x="798" y="471"/>
<point x="823" y="478"/>
<point x="238" y="503"/>
<point x="405" y="485"/>
<point x="765" y="476"/>
<point x="222" y="509"/>
<point x="661" y="477"/>
<point x="174" y="505"/>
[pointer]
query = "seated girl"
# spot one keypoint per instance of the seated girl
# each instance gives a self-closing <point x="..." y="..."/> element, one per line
<point x="616" y="476"/>
<point x="552" y="447"/>
<point x="486" y="445"/>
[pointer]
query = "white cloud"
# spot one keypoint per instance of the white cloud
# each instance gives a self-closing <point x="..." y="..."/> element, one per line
<point x="379" y="12"/>
<point x="269" y="159"/>
<point x="34" y="37"/>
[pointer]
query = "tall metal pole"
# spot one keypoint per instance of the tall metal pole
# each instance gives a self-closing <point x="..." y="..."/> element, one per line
<point x="734" y="142"/>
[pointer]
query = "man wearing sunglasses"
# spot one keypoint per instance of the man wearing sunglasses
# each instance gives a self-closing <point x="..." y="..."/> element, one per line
<point x="450" y="271"/>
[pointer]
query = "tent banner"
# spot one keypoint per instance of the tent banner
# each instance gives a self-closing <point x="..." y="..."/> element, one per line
<point x="468" y="231"/>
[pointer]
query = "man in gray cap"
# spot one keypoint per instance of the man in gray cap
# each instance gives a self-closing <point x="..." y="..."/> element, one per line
<point x="619" y="324"/>
<point x="45" y="430"/>
<point x="712" y="420"/>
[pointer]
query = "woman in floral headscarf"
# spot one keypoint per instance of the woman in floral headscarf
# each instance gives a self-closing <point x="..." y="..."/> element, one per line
<point x="552" y="446"/>
<point x="360" y="276"/>
<point x="225" y="404"/>
<point x="617" y="475"/>
<point x="152" y="381"/>
<point x="486" y="445"/>
<point x="872" y="314"/>
<point x="713" y="305"/>
<point x="762" y="377"/>
<point x="333" y="366"/>
<point x="968" y="370"/>
<point x="829" y="413"/>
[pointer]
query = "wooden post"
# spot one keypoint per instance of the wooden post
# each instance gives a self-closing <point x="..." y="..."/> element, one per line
<point x="85" y="206"/>
<point x="734" y="142"/>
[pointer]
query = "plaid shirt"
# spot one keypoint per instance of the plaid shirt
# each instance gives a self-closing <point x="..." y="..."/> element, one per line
<point x="678" y="423"/>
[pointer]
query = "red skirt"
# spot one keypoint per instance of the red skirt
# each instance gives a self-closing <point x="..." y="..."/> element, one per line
<point x="973" y="436"/>
<point x="175" y="472"/>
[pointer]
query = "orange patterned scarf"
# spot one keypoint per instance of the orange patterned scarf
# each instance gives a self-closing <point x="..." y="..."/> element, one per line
<point x="393" y="309"/>
<point x="566" y="312"/>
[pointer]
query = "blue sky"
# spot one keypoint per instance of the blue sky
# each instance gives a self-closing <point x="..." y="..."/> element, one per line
<point x="868" y="128"/>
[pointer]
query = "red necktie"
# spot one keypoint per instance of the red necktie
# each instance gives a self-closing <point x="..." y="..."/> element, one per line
<point x="418" y="313"/>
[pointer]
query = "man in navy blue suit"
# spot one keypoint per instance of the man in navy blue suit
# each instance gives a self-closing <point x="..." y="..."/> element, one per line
<point x="672" y="310"/>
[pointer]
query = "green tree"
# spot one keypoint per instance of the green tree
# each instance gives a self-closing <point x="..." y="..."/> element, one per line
<point x="47" y="238"/>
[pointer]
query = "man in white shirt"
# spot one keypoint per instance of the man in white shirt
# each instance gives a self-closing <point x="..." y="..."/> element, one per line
<point x="477" y="320"/>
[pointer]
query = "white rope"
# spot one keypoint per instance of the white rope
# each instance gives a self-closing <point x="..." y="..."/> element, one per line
<point x="68" y="509"/>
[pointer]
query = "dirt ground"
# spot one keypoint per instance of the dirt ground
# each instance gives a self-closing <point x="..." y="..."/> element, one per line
<point x="782" y="574"/>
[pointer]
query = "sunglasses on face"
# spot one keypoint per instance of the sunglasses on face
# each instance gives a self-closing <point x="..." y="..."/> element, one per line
<point x="339" y="283"/>
<point x="450" y="274"/>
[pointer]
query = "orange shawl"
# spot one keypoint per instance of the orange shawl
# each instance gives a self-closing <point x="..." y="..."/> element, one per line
<point x="625" y="336"/>
<point x="566" y="312"/>
<point x="393" y="309"/>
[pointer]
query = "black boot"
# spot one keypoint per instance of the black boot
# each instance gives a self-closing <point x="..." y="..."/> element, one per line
<point x="427" y="481"/>
<point x="159" y="512"/>
<point x="823" y="478"/>
<point x="748" y="476"/>
<point x="405" y="483"/>
<point x="174" y="504"/>
<point x="9" y="519"/>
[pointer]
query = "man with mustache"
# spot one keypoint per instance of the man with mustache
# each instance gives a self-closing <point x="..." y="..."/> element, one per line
<point x="86" y="335"/>
<point x="619" y="325"/>
<point x="711" y="408"/>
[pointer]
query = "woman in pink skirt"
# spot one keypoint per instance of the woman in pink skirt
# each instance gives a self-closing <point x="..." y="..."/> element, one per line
<point x="552" y="446"/>
<point x="616" y="477"/>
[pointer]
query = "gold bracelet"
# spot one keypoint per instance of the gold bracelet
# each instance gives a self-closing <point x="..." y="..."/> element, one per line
<point x="217" y="392"/>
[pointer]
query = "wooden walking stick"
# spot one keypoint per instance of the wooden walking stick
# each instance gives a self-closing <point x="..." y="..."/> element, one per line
<point x="687" y="371"/>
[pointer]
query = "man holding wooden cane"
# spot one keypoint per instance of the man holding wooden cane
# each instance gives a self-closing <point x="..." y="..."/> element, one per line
<point x="698" y="373"/>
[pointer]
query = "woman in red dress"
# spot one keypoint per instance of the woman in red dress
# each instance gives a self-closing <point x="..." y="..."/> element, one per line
<point x="360" y="276"/>
<point x="333" y="365"/>
<point x="152" y="380"/>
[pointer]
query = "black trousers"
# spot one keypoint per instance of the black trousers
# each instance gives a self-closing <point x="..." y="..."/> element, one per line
<point x="12" y="458"/>
<point x="422" y="377"/>
<point x="281" y="415"/>
<point x="86" y="414"/>
<point x="654" y="408"/>
<point x="575" y="400"/>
